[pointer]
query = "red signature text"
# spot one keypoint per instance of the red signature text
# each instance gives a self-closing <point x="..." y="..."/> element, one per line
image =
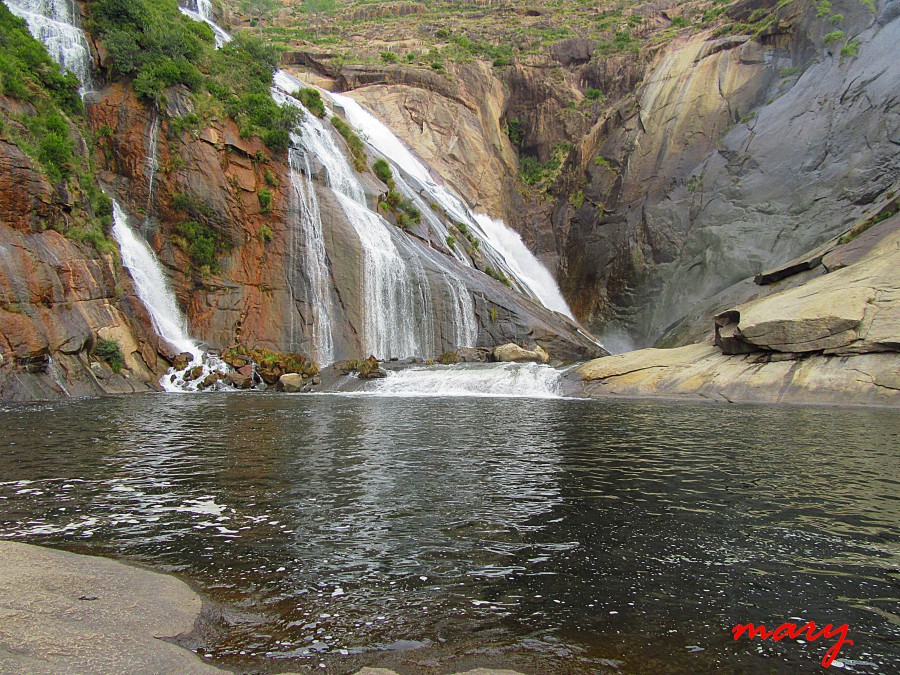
<point x="794" y="631"/>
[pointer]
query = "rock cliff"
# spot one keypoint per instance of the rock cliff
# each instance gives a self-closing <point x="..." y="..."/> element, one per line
<point x="824" y="329"/>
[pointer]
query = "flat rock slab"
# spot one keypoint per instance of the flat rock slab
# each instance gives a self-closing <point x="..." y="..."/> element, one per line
<point x="701" y="372"/>
<point x="67" y="613"/>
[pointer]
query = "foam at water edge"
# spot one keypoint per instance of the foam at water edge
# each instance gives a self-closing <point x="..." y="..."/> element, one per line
<point x="509" y="380"/>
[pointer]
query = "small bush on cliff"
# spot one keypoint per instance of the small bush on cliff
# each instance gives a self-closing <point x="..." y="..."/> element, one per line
<point x="383" y="170"/>
<point x="110" y="352"/>
<point x="265" y="200"/>
<point x="155" y="46"/>
<point x="312" y="100"/>
<point x="357" y="147"/>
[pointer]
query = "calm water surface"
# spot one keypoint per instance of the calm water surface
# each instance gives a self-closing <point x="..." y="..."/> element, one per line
<point x="553" y="536"/>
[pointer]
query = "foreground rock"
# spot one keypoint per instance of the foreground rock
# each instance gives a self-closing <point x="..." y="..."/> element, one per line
<point x="67" y="613"/>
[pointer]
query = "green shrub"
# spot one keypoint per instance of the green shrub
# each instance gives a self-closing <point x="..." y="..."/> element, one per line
<point x="312" y="101"/>
<point x="851" y="48"/>
<point x="451" y="241"/>
<point x="357" y="148"/>
<point x="383" y="170"/>
<point x="593" y="94"/>
<point x="389" y="57"/>
<point x="265" y="200"/>
<point x="833" y="36"/>
<point x="680" y="22"/>
<point x="156" y="47"/>
<point x="110" y="352"/>
<point x="499" y="276"/>
<point x="200" y="242"/>
<point x="265" y="234"/>
<point x="516" y="132"/>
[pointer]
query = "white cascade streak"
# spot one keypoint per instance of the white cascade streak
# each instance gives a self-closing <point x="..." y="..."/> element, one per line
<point x="152" y="162"/>
<point x="204" y="15"/>
<point x="168" y="321"/>
<point x="514" y="380"/>
<point x="527" y="268"/>
<point x="152" y="286"/>
<point x="55" y="24"/>
<point x="308" y="221"/>
<point x="395" y="315"/>
<point x="521" y="263"/>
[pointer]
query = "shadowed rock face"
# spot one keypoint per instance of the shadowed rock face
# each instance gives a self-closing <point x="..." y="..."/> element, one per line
<point x="728" y="167"/>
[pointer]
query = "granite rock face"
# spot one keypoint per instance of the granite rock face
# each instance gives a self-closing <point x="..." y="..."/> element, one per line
<point x="739" y="155"/>
<point x="59" y="297"/>
<point x="826" y="337"/>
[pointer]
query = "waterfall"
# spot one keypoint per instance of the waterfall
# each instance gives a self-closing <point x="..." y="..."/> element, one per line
<point x="518" y="380"/>
<point x="152" y="164"/>
<point x="152" y="287"/>
<point x="395" y="315"/>
<point x="203" y="12"/>
<point x="523" y="266"/>
<point x="527" y="268"/>
<point x="397" y="306"/>
<point x="55" y="24"/>
<point x="307" y="219"/>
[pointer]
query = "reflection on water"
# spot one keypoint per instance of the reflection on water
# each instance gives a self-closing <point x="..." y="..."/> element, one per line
<point x="549" y="535"/>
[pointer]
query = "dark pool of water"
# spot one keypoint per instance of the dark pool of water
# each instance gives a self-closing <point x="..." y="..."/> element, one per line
<point x="428" y="534"/>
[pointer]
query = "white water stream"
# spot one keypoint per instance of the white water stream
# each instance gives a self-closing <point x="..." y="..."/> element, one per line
<point x="512" y="380"/>
<point x="55" y="24"/>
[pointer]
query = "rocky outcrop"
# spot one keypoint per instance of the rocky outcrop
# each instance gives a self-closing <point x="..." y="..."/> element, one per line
<point x="702" y="372"/>
<point x="513" y="353"/>
<point x="59" y="297"/>
<point x="740" y="154"/>
<point x="459" y="135"/>
<point x="74" y="613"/>
<point x="834" y="337"/>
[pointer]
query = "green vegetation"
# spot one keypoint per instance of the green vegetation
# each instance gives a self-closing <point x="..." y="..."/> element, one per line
<point x="155" y="46"/>
<point x="383" y="170"/>
<point x="110" y="352"/>
<point x="47" y="125"/>
<point x="499" y="276"/>
<point x="594" y="94"/>
<point x="451" y="241"/>
<point x="311" y="100"/>
<point x="357" y="148"/>
<point x="196" y="236"/>
<point x="265" y="200"/>
<point x="265" y="234"/>
<point x="270" y="365"/>
<point x="516" y="132"/>
<point x="850" y="49"/>
<point x="832" y="37"/>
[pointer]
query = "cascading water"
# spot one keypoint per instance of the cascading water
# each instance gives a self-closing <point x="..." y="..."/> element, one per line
<point x="395" y="315"/>
<point x="308" y="221"/>
<point x="154" y="292"/>
<point x="519" y="380"/>
<point x="152" y="164"/>
<point x="55" y="24"/>
<point x="522" y="265"/>
<point x="396" y="292"/>
<point x="202" y="11"/>
<point x="152" y="287"/>
<point x="527" y="268"/>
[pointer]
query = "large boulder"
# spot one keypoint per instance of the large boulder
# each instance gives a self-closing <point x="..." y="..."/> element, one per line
<point x="291" y="383"/>
<point x="513" y="353"/>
